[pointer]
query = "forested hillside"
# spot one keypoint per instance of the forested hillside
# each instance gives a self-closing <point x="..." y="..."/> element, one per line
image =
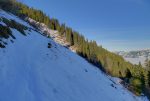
<point x="137" y="78"/>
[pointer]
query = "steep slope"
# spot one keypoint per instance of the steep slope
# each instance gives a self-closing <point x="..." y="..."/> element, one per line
<point x="30" y="71"/>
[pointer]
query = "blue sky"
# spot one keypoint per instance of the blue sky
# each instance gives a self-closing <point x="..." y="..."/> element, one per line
<point x="114" y="24"/>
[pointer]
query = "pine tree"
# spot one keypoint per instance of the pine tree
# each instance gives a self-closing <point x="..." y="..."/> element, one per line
<point x="128" y="73"/>
<point x="140" y="65"/>
<point x="147" y="64"/>
<point x="149" y="78"/>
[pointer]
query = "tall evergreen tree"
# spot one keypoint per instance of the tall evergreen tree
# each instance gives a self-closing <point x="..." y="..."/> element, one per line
<point x="147" y="64"/>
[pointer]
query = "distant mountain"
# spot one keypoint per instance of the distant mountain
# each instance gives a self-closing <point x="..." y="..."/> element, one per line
<point x="135" y="56"/>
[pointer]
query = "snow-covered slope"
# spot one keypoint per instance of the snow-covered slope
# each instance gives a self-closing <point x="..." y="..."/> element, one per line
<point x="30" y="71"/>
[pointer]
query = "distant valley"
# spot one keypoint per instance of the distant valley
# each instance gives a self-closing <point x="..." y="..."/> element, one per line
<point x="135" y="56"/>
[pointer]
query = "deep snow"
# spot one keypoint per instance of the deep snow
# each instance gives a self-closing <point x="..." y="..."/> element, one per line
<point x="29" y="71"/>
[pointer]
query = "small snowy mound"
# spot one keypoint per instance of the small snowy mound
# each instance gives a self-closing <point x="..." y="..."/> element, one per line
<point x="35" y="68"/>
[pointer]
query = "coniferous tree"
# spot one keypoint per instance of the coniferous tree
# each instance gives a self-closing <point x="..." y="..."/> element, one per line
<point x="147" y="64"/>
<point x="128" y="73"/>
<point x="140" y="65"/>
<point x="149" y="78"/>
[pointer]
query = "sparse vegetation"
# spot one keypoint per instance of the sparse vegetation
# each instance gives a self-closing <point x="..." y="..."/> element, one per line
<point x="15" y="25"/>
<point x="5" y="32"/>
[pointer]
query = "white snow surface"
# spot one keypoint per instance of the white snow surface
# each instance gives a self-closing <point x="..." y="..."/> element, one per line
<point x="29" y="71"/>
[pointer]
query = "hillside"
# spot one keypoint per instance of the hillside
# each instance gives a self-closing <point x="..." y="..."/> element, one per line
<point x="134" y="78"/>
<point x="36" y="68"/>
